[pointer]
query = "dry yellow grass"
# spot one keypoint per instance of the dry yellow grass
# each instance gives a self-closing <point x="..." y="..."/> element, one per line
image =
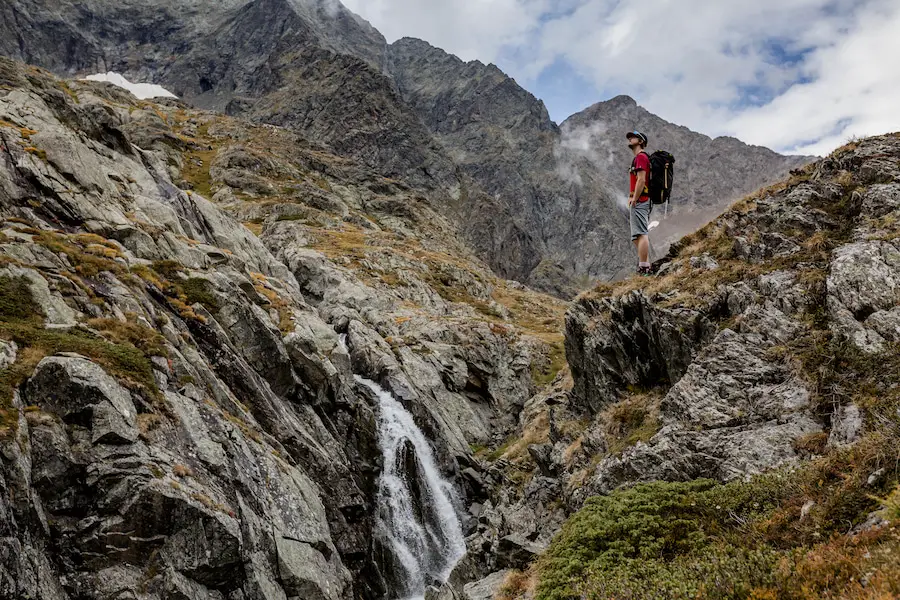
<point x="518" y="585"/>
<point x="255" y="228"/>
<point x="182" y="471"/>
<point x="282" y="306"/>
<point x="24" y="132"/>
<point x="631" y="421"/>
<point x="147" y="423"/>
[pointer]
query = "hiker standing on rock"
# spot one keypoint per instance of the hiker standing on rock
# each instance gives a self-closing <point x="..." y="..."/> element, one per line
<point x="639" y="199"/>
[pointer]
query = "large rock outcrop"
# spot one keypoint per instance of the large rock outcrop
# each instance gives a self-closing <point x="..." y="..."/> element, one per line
<point x="726" y="335"/>
<point x="179" y="415"/>
<point x="761" y="355"/>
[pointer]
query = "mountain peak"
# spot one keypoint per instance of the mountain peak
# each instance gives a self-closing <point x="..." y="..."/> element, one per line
<point x="622" y="100"/>
<point x="412" y="45"/>
<point x="413" y="41"/>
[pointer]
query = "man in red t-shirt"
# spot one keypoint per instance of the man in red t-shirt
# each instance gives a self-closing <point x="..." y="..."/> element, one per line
<point x="639" y="199"/>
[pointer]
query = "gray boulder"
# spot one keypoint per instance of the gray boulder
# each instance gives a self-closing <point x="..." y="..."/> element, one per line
<point x="79" y="391"/>
<point x="486" y="589"/>
<point x="614" y="343"/>
<point x="864" y="285"/>
<point x="846" y="425"/>
<point x="8" y="351"/>
<point x="516" y="552"/>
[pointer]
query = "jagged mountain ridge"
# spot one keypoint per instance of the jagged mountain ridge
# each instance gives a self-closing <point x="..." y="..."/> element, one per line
<point x="520" y="197"/>
<point x="95" y="29"/>
<point x="245" y="58"/>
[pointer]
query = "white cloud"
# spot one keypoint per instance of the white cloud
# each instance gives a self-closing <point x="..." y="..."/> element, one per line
<point x="575" y="144"/>
<point x="141" y="91"/>
<point x="795" y="75"/>
<point x="856" y="92"/>
<point x="479" y="29"/>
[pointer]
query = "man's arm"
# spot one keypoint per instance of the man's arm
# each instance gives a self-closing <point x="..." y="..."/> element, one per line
<point x="638" y="188"/>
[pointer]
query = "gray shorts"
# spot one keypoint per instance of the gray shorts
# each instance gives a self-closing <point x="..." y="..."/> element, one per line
<point x="640" y="220"/>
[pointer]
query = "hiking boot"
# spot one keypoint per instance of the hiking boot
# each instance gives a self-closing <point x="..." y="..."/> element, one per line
<point x="645" y="272"/>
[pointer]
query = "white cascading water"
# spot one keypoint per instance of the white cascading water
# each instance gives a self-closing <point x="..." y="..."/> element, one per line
<point x="426" y="540"/>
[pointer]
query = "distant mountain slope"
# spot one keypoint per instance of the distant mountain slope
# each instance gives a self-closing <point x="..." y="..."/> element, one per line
<point x="502" y="136"/>
<point x="710" y="172"/>
<point x="529" y="197"/>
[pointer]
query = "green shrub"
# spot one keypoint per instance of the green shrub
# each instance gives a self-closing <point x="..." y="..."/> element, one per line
<point x="544" y="374"/>
<point x="717" y="573"/>
<point x="681" y="540"/>
<point x="651" y="521"/>
<point x="501" y="450"/>
<point x="632" y="420"/>
<point x="199" y="290"/>
<point x="148" y="341"/>
<point x="13" y="295"/>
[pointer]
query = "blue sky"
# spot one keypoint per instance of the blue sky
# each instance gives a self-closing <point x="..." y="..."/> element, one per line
<point x="795" y="75"/>
<point x="564" y="90"/>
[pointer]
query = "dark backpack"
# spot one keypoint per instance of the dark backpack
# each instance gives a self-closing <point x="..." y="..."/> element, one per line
<point x="662" y="172"/>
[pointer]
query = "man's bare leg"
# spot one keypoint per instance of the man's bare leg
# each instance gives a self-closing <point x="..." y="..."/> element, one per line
<point x="643" y="248"/>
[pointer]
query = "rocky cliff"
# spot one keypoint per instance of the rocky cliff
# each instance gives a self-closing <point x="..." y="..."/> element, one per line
<point x="200" y="316"/>
<point x="180" y="417"/>
<point x="212" y="327"/>
<point x="730" y="426"/>
<point x="532" y="203"/>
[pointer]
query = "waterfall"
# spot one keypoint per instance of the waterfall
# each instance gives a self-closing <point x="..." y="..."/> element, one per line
<point x="416" y="519"/>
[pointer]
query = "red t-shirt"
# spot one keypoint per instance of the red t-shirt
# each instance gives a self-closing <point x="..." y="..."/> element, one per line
<point x="641" y="163"/>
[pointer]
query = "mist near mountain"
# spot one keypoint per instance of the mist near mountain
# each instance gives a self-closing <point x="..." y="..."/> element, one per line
<point x="540" y="203"/>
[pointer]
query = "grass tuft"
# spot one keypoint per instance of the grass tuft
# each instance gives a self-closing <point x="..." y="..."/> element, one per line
<point x="125" y="354"/>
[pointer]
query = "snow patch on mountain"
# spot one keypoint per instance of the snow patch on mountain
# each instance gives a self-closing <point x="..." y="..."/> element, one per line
<point x="142" y="91"/>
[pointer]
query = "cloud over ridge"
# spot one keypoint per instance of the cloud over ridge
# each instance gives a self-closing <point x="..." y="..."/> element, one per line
<point x="796" y="75"/>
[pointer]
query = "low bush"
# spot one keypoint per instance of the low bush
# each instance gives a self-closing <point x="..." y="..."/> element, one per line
<point x="656" y="521"/>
